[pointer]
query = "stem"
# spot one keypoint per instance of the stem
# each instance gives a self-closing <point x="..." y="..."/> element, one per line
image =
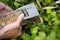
<point x="40" y="18"/>
<point x="38" y="3"/>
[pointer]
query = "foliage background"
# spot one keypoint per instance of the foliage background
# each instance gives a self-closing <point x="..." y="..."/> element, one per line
<point x="48" y="28"/>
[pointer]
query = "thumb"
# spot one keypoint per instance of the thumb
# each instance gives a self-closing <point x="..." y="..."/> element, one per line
<point x="20" y="18"/>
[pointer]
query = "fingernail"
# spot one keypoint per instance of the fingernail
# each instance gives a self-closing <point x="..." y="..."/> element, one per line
<point x="20" y="18"/>
<point x="22" y="14"/>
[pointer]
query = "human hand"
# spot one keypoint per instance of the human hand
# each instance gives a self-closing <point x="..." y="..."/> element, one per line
<point x="12" y="30"/>
<point x="4" y="8"/>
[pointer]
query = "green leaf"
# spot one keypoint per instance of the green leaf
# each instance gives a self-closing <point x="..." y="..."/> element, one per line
<point x="16" y="4"/>
<point x="33" y="36"/>
<point x="34" y="30"/>
<point x="37" y="38"/>
<point x="47" y="1"/>
<point x="26" y="36"/>
<point x="53" y="13"/>
<point x="46" y="19"/>
<point x="49" y="10"/>
<point x="42" y="35"/>
<point x="52" y="36"/>
<point x="19" y="0"/>
<point x="13" y="39"/>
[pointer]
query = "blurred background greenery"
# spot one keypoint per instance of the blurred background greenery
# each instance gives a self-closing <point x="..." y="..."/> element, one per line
<point x="48" y="27"/>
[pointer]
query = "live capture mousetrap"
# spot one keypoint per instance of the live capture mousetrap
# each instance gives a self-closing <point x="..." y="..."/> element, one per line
<point x="29" y="12"/>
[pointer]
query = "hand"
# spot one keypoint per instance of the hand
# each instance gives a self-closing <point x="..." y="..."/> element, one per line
<point x="11" y="30"/>
<point x="4" y="8"/>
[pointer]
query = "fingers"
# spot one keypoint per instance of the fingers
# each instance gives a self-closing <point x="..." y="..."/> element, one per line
<point x="12" y="33"/>
<point x="20" y="18"/>
<point x="2" y="5"/>
<point x="14" y="25"/>
<point x="4" y="8"/>
<point x="8" y="8"/>
<point x="3" y="11"/>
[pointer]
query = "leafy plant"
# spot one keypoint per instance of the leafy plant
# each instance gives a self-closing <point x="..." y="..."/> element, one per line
<point x="49" y="25"/>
